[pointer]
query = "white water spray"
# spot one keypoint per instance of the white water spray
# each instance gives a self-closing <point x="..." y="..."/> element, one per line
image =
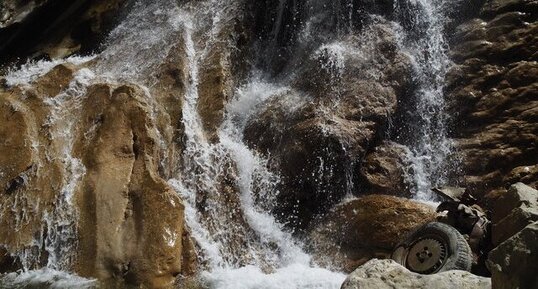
<point x="425" y="43"/>
<point x="227" y="187"/>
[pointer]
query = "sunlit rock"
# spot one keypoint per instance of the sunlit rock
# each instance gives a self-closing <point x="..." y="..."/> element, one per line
<point x="491" y="91"/>
<point x="387" y="273"/>
<point x="365" y="228"/>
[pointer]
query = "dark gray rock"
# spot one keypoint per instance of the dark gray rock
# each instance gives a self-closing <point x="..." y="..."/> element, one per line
<point x="513" y="264"/>
<point x="513" y="211"/>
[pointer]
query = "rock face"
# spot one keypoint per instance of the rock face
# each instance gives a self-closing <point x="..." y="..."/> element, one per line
<point x="368" y="227"/>
<point x="515" y="232"/>
<point x="12" y="11"/>
<point x="107" y="163"/>
<point x="384" y="169"/>
<point x="58" y="28"/>
<point x="319" y="143"/>
<point x="85" y="159"/>
<point x="513" y="211"/>
<point x="119" y="236"/>
<point x="513" y="263"/>
<point x="386" y="274"/>
<point x="492" y="90"/>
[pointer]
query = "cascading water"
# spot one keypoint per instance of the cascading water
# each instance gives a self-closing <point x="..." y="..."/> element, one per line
<point x="227" y="187"/>
<point x="271" y="258"/>
<point x="244" y="247"/>
<point x="58" y="236"/>
<point x="423" y="39"/>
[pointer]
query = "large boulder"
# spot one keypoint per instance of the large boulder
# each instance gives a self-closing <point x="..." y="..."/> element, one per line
<point x="387" y="274"/>
<point x="317" y="159"/>
<point x="371" y="226"/>
<point x="386" y="169"/>
<point x="118" y="238"/>
<point x="82" y="171"/>
<point x="513" y="264"/>
<point x="347" y="89"/>
<point x="518" y="195"/>
<point x="513" y="211"/>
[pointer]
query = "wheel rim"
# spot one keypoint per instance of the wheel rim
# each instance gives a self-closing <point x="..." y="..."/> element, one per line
<point x="426" y="256"/>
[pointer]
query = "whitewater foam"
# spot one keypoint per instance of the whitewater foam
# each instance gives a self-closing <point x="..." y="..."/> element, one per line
<point x="45" y="279"/>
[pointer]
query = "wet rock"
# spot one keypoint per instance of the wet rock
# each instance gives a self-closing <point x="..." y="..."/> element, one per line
<point x="215" y="89"/>
<point x="346" y="96"/>
<point x="316" y="164"/>
<point x="12" y="11"/>
<point x="388" y="274"/>
<point x="386" y="168"/>
<point x="26" y="189"/>
<point x="7" y="262"/>
<point x="17" y="154"/>
<point x="221" y="71"/>
<point x="364" y="228"/>
<point x="100" y="144"/>
<point x="267" y="129"/>
<point x="118" y="239"/>
<point x="513" y="263"/>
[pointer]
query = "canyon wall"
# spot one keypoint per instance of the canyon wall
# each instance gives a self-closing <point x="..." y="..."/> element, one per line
<point x="144" y="143"/>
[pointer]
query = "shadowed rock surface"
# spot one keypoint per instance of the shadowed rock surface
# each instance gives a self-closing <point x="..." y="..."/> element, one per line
<point x="513" y="263"/>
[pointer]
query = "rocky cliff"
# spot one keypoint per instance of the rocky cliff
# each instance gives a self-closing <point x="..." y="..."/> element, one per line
<point x="492" y="92"/>
<point x="152" y="143"/>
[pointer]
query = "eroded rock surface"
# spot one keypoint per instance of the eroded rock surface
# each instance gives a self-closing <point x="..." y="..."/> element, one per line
<point x="387" y="274"/>
<point x="492" y="90"/>
<point x="513" y="263"/>
<point x="106" y="162"/>
<point x="85" y="164"/>
<point x="368" y="227"/>
<point x="384" y="170"/>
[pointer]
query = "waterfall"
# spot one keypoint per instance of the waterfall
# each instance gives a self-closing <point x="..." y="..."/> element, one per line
<point x="229" y="188"/>
<point x="58" y="236"/>
<point x="272" y="258"/>
<point x="423" y="39"/>
<point x="247" y="248"/>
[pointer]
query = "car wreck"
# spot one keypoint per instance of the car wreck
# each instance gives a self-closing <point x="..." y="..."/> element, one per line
<point x="460" y="239"/>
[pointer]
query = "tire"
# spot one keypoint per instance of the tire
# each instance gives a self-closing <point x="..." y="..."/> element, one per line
<point x="434" y="248"/>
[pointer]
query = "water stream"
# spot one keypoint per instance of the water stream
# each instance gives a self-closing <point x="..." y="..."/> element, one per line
<point x="422" y="37"/>
<point x="229" y="188"/>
